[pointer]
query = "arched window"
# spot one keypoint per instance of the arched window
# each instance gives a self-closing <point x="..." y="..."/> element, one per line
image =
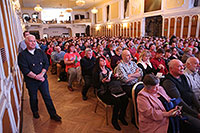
<point x="26" y="18"/>
<point x="35" y="15"/>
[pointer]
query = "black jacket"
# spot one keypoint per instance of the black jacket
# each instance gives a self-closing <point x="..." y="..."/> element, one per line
<point x="35" y="63"/>
<point x="176" y="88"/>
<point x="87" y="65"/>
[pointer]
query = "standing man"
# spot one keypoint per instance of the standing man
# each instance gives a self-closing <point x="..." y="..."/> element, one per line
<point x="87" y="65"/>
<point x="22" y="44"/>
<point x="33" y="63"/>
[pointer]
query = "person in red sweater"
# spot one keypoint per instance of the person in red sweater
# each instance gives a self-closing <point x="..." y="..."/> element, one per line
<point x="159" y="61"/>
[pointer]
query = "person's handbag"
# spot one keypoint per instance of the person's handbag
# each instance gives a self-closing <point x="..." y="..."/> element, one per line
<point x="114" y="86"/>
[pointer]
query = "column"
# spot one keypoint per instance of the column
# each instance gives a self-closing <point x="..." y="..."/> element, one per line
<point x="175" y="23"/>
<point x="169" y="21"/>
<point x="198" y="26"/>
<point x="190" y="24"/>
<point x="182" y="24"/>
<point x="143" y="27"/>
<point x="163" y="26"/>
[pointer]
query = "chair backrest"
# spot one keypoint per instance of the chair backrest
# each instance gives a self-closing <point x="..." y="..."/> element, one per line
<point x="136" y="89"/>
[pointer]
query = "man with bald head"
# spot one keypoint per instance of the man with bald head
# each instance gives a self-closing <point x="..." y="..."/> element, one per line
<point x="34" y="64"/>
<point x="128" y="72"/>
<point x="176" y="86"/>
<point x="191" y="73"/>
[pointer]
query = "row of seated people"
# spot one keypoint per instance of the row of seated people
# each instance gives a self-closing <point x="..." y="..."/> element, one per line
<point x="129" y="73"/>
<point x="157" y="105"/>
<point x="126" y="71"/>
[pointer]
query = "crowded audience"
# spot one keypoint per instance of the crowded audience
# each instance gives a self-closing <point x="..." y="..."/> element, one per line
<point x="131" y="60"/>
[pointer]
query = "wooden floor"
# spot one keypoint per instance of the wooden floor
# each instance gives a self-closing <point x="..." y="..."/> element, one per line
<point x="77" y="115"/>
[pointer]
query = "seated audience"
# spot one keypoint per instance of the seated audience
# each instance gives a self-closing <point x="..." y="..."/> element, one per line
<point x="110" y="52"/>
<point x="140" y="48"/>
<point x="132" y="48"/>
<point x="152" y="49"/>
<point x="102" y="52"/>
<point x="58" y="58"/>
<point x="145" y="64"/>
<point x="128" y="72"/>
<point x="158" y="59"/>
<point x="168" y="53"/>
<point x="195" y="50"/>
<point x="191" y="73"/>
<point x="72" y="62"/>
<point x="102" y="81"/>
<point x="179" y="48"/>
<point x="153" y="116"/>
<point x="87" y="65"/>
<point x="187" y="54"/>
<point x="176" y="86"/>
<point x="175" y="54"/>
<point x="116" y="59"/>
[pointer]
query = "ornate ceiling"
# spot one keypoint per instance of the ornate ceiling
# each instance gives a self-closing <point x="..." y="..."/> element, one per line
<point x="57" y="3"/>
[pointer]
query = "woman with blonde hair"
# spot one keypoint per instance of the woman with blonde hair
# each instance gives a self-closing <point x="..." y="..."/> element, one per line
<point x="145" y="64"/>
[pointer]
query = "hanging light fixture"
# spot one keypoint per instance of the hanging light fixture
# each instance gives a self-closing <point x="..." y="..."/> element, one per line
<point x="38" y="8"/>
<point x="68" y="9"/>
<point x="61" y="14"/>
<point x="80" y="2"/>
<point x="94" y="10"/>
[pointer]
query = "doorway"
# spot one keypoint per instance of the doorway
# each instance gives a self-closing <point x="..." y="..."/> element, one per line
<point x="153" y="26"/>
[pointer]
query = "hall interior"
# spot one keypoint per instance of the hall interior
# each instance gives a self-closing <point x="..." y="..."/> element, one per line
<point x="113" y="18"/>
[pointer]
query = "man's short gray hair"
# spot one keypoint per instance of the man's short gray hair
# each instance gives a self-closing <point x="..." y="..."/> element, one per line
<point x="26" y="39"/>
<point x="190" y="59"/>
<point x="88" y="50"/>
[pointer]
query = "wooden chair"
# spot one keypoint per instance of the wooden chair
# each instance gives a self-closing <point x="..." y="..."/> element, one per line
<point x="105" y="105"/>
<point x="136" y="89"/>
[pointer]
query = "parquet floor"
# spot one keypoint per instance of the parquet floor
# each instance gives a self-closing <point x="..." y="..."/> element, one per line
<point x="77" y="115"/>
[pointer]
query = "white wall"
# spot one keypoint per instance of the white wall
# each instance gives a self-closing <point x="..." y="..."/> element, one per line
<point x="53" y="31"/>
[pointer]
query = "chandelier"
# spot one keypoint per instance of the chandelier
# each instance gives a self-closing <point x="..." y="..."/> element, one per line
<point x="61" y="14"/>
<point x="80" y="2"/>
<point x="69" y="10"/>
<point x="16" y="4"/>
<point x="94" y="10"/>
<point x="38" y="8"/>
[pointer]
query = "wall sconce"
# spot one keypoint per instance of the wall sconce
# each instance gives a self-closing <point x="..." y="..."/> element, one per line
<point x="125" y="25"/>
<point x="109" y="26"/>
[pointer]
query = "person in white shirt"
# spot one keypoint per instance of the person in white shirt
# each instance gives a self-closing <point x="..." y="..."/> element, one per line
<point x="192" y="75"/>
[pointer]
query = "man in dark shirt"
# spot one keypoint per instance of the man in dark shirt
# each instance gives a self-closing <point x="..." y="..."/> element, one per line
<point x="87" y="65"/>
<point x="33" y="63"/>
<point x="176" y="86"/>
